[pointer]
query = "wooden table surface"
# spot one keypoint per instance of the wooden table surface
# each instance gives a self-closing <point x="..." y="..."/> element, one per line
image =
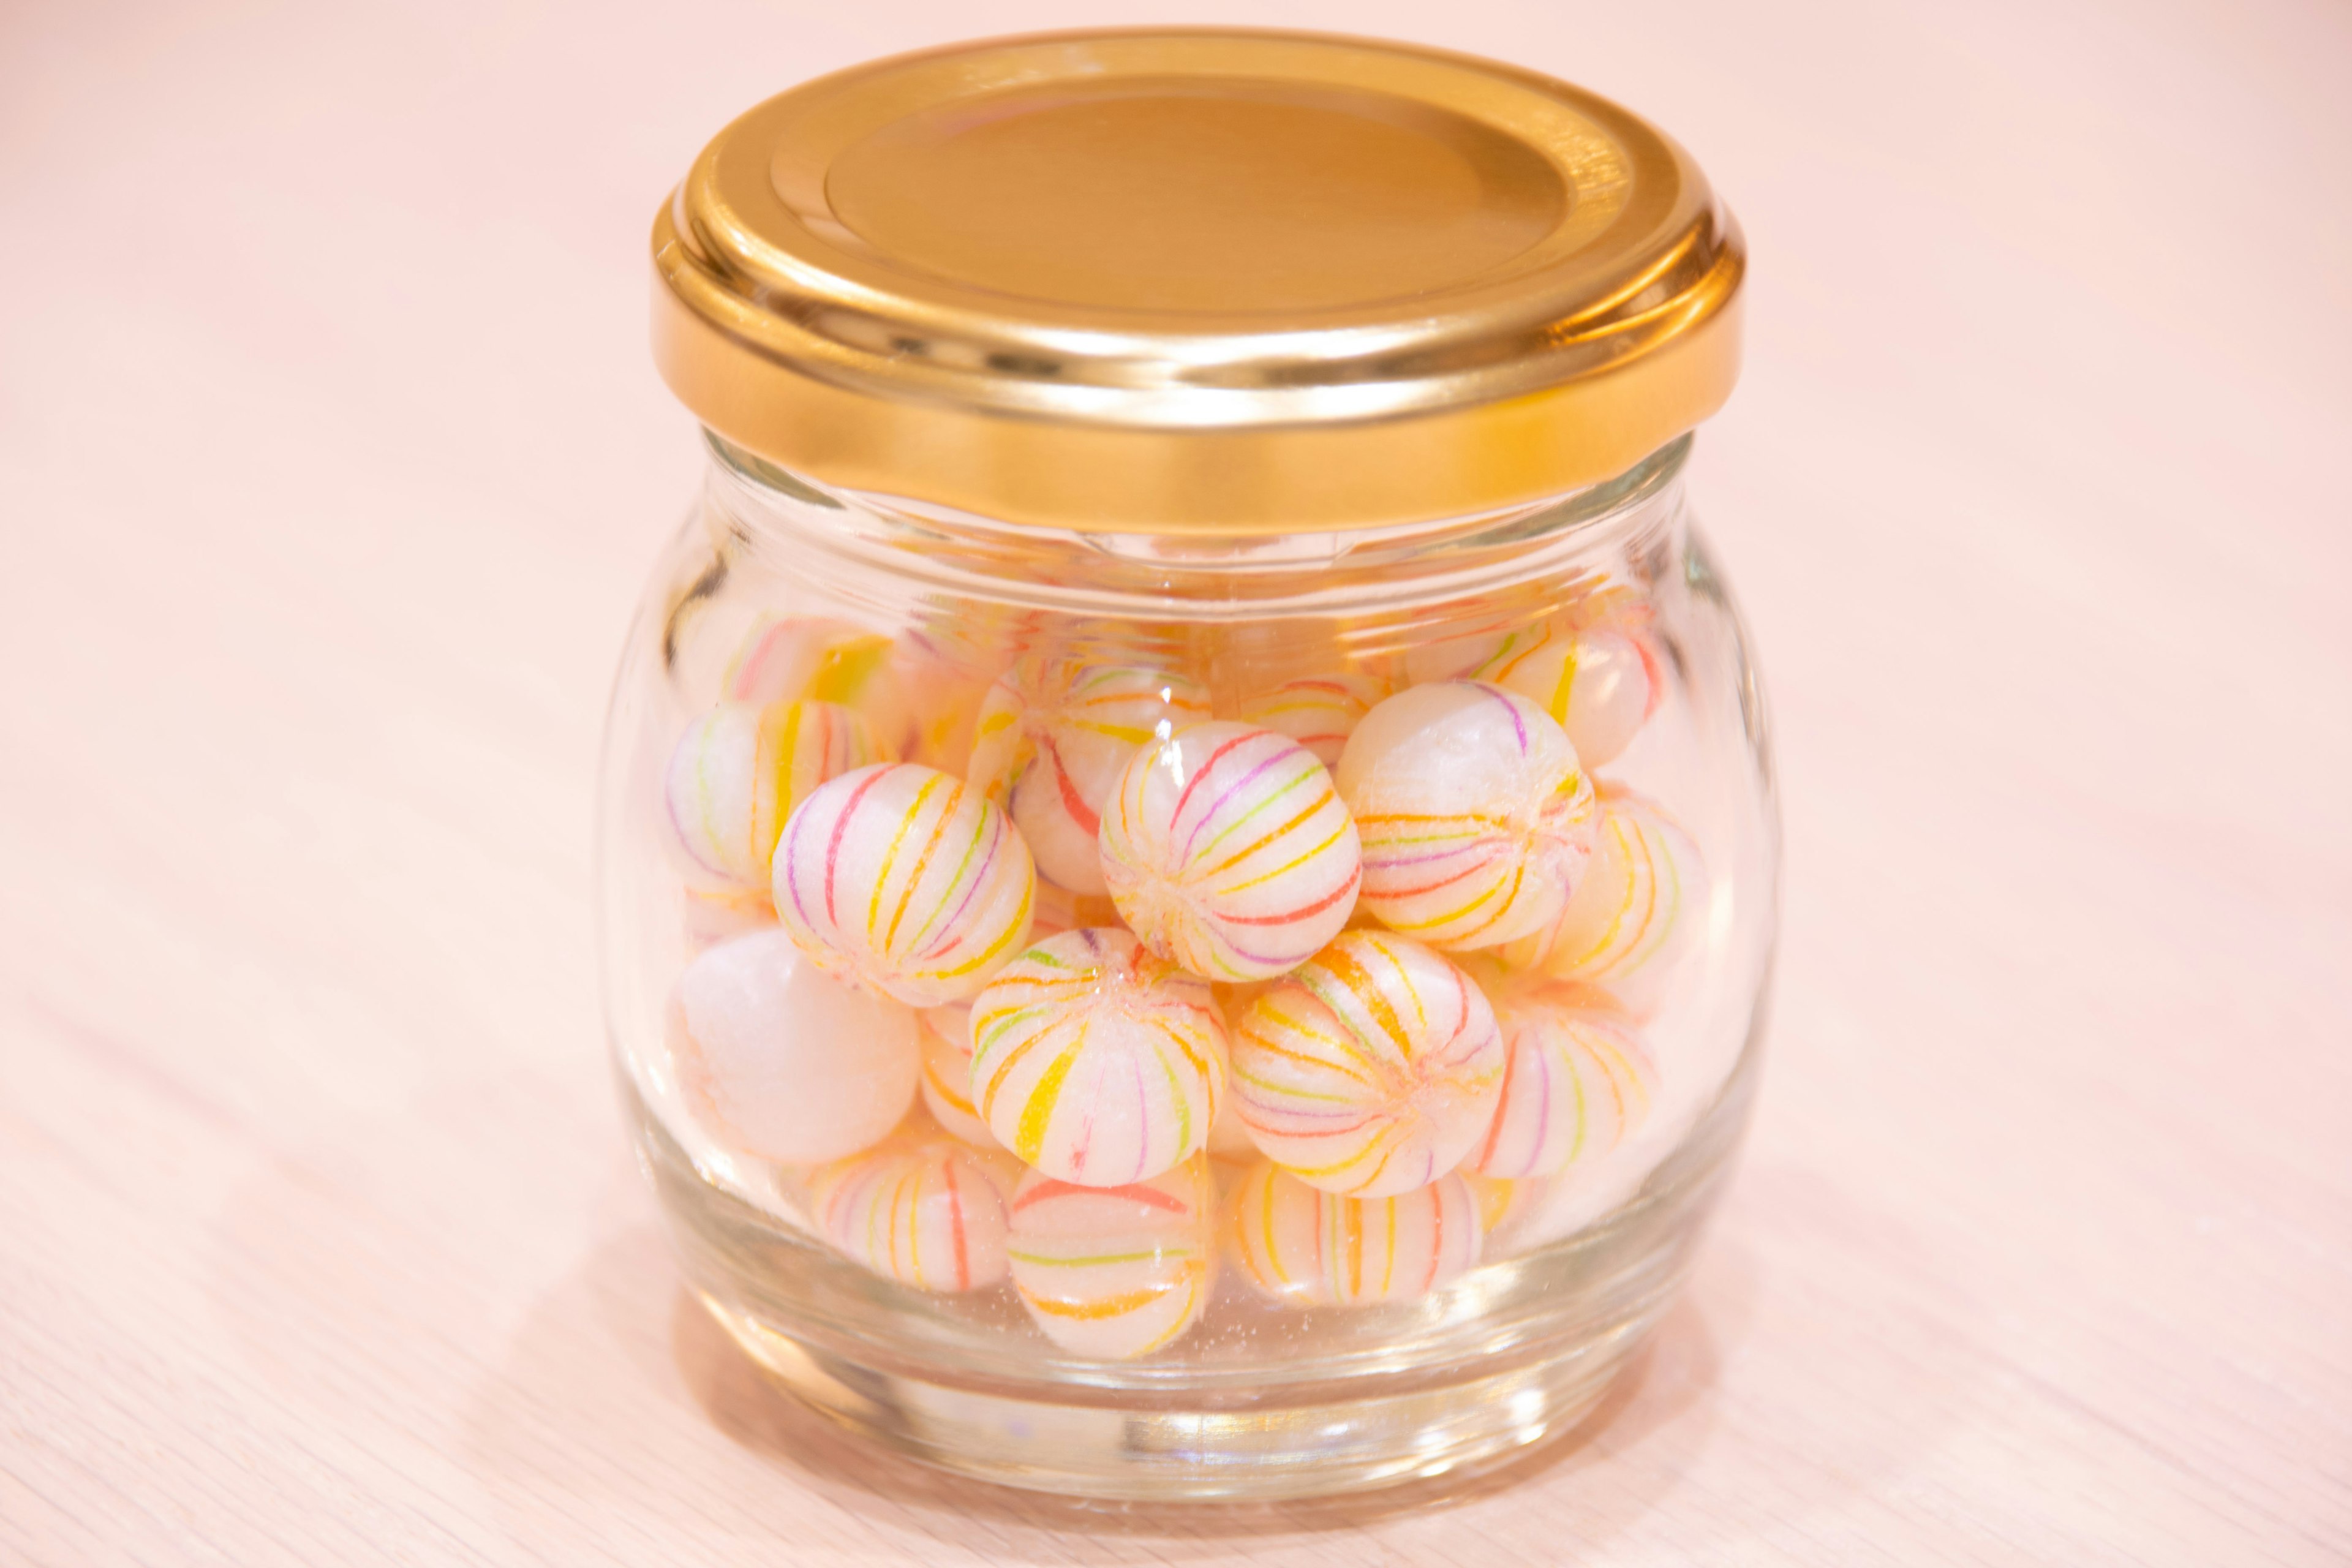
<point x="331" y="461"/>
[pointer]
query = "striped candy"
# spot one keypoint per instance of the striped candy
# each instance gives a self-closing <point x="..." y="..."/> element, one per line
<point x="922" y="1208"/>
<point x="1498" y="1200"/>
<point x="1579" y="1081"/>
<point x="1312" y="1248"/>
<point x="1370" y="1070"/>
<point x="1114" y="1273"/>
<point x="946" y="1035"/>
<point x="786" y="659"/>
<point x="779" y="1060"/>
<point x="739" y="771"/>
<point x="1477" y="818"/>
<point x="902" y="878"/>
<point x="1226" y="848"/>
<point x="1051" y="741"/>
<point x="1635" y="907"/>
<point x="1095" y="1061"/>
<point x="1319" y="712"/>
<point x="1598" y="684"/>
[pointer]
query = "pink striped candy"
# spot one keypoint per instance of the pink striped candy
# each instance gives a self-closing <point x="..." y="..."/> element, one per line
<point x="1370" y="1070"/>
<point x="1051" y="741"/>
<point x="905" y="880"/>
<point x="1319" y="712"/>
<point x="1095" y="1061"/>
<point x="1114" y="1273"/>
<point x="1312" y="1248"/>
<point x="1580" y="1080"/>
<point x="923" y="1208"/>
<point x="1477" y="818"/>
<point x="1227" y="850"/>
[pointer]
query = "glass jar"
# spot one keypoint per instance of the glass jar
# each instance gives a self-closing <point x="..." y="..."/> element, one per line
<point x="1188" y="851"/>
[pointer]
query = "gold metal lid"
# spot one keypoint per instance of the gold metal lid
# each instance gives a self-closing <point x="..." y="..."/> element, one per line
<point x="1183" y="280"/>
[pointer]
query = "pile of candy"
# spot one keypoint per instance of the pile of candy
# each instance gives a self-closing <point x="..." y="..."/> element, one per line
<point x="1056" y="977"/>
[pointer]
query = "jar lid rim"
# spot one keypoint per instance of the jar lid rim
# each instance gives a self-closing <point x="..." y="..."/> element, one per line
<point x="1197" y="278"/>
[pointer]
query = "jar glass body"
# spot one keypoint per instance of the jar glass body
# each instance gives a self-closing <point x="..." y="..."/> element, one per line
<point x="1322" y="1341"/>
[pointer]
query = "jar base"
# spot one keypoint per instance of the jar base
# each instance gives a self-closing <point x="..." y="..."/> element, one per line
<point x="1260" y="1403"/>
<point x="1165" y="1451"/>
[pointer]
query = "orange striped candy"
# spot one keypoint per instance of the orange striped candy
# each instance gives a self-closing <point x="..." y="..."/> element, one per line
<point x="1372" y="1070"/>
<point x="1113" y="1273"/>
<point x="1308" y="1248"/>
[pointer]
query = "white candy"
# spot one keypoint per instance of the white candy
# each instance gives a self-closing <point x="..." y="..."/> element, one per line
<point x="782" y="1062"/>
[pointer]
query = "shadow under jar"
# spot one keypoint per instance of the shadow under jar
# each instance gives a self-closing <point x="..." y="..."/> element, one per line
<point x="1188" y="850"/>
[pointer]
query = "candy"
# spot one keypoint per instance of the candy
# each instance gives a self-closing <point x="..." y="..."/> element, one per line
<point x="1598" y="684"/>
<point x="1477" y="818"/>
<point x="1060" y="909"/>
<point x="1579" y="1081"/>
<point x="924" y="1209"/>
<point x="1114" y="1272"/>
<point x="947" y="1073"/>
<point x="1050" y="742"/>
<point x="1370" y="1070"/>
<point x="1312" y="1248"/>
<point x="789" y="657"/>
<point x="739" y="771"/>
<point x="1634" y="908"/>
<point x="942" y="696"/>
<point x="782" y="1062"/>
<point x="1498" y="1199"/>
<point x="1227" y="850"/>
<point x="1096" y="1061"/>
<point x="903" y="879"/>
<point x="1319" y="712"/>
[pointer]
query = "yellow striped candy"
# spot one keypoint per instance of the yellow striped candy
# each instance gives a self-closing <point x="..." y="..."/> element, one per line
<point x="1370" y="1070"/>
<point x="1308" y="1248"/>
<point x="1114" y="1273"/>
<point x="1095" y="1061"/>
<point x="1636" y="905"/>
<point x="905" y="880"/>
<point x="1579" y="1081"/>
<point x="1227" y="850"/>
<point x="789" y="657"/>
<point x="1051" y="741"/>
<point x="1477" y="818"/>
<point x="921" y="1207"/>
<point x="739" y="771"/>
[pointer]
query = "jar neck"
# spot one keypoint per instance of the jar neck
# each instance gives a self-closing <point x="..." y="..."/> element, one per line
<point x="833" y="539"/>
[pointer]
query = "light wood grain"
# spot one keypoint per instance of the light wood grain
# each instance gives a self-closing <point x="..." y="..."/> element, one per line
<point x="329" y="463"/>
